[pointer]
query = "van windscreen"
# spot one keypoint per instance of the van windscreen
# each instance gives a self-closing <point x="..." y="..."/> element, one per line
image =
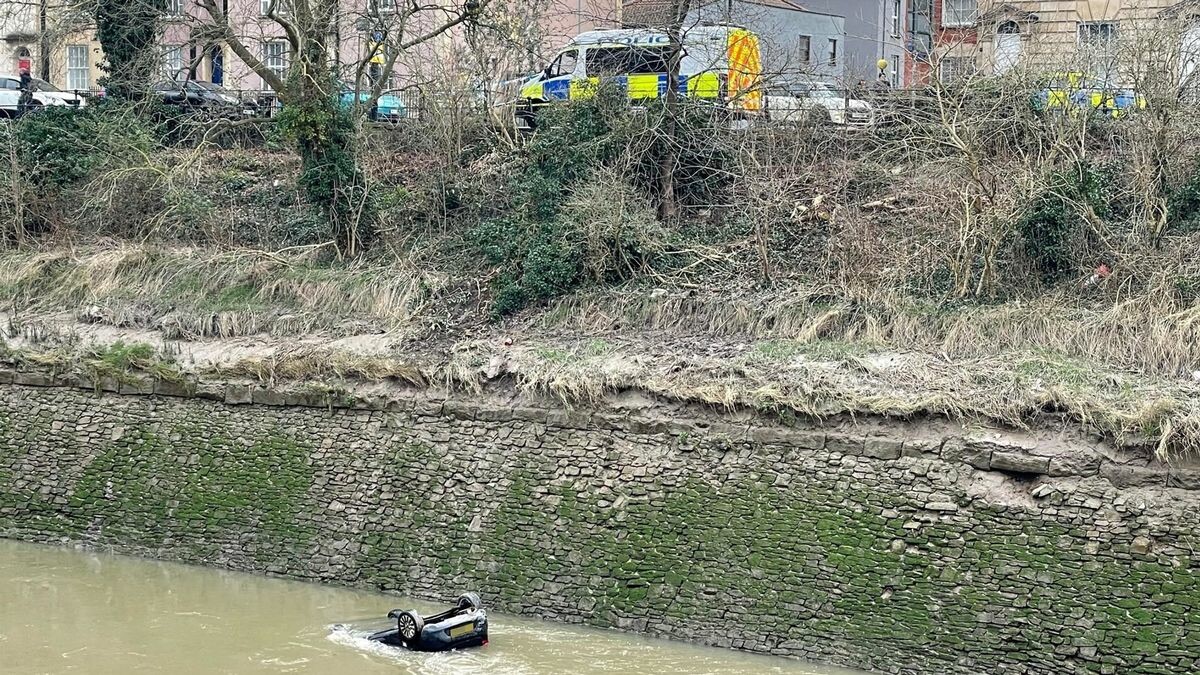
<point x="602" y="61"/>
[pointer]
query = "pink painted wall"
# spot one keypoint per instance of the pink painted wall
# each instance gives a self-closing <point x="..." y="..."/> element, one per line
<point x="559" y="21"/>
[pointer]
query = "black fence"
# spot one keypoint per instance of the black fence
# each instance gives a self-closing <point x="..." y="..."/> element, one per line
<point x="392" y="106"/>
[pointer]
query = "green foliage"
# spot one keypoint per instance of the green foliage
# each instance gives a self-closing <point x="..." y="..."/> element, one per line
<point x="61" y="146"/>
<point x="330" y="177"/>
<point x="53" y="146"/>
<point x="1057" y="221"/>
<point x="1183" y="206"/>
<point x="568" y="218"/>
<point x="128" y="34"/>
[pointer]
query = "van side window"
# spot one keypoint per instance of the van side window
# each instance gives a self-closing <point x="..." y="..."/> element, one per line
<point x="628" y="61"/>
<point x="564" y="64"/>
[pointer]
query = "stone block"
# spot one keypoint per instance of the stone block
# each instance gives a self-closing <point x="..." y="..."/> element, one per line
<point x="175" y="388"/>
<point x="1019" y="462"/>
<point x="808" y="440"/>
<point x="33" y="379"/>
<point x="568" y="419"/>
<point x="493" y="414"/>
<point x="956" y="451"/>
<point x="927" y="448"/>
<point x="1187" y="479"/>
<point x="648" y="426"/>
<point x="844" y="444"/>
<point x="1085" y="463"/>
<point x="531" y="414"/>
<point x="1125" y="475"/>
<point x="272" y="397"/>
<point x="238" y="394"/>
<point x="459" y="410"/>
<point x="431" y="408"/>
<point x="211" y="392"/>
<point x="137" y="386"/>
<point x="882" y="448"/>
<point x="6" y="375"/>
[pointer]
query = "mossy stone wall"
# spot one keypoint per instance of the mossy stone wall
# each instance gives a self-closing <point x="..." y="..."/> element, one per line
<point x="890" y="554"/>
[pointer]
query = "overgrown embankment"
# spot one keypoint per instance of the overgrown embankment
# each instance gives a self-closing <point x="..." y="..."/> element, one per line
<point x="994" y="263"/>
<point x="898" y="547"/>
<point x="1122" y="370"/>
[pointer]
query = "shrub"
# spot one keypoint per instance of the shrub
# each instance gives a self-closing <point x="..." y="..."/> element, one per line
<point x="60" y="145"/>
<point x="1183" y="206"/>
<point x="569" y="218"/>
<point x="1054" y="228"/>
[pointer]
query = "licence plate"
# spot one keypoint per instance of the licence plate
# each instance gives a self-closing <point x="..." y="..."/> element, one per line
<point x="459" y="631"/>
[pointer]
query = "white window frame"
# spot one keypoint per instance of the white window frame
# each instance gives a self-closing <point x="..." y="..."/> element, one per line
<point x="172" y="60"/>
<point x="967" y="71"/>
<point x="1089" y="35"/>
<point x="275" y="62"/>
<point x="959" y="13"/>
<point x="806" y="53"/>
<point x="897" y="18"/>
<point x="79" y="71"/>
<point x="833" y="51"/>
<point x="384" y="6"/>
<point x="282" y="7"/>
<point x="174" y="8"/>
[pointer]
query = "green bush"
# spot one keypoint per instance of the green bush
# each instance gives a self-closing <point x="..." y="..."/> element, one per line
<point x="568" y="218"/>
<point x="331" y="179"/>
<point x="59" y="145"/>
<point x="1183" y="206"/>
<point x="1054" y="228"/>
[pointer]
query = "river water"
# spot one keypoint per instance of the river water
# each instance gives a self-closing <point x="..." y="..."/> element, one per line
<point x="70" y="611"/>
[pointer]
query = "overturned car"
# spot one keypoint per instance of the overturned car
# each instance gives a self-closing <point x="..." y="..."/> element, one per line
<point x="461" y="627"/>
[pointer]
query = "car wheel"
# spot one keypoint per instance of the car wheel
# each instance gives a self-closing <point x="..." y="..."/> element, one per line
<point x="469" y="601"/>
<point x="410" y="625"/>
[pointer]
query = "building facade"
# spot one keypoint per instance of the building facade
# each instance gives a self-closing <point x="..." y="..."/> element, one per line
<point x="795" y="42"/>
<point x="953" y="39"/>
<point x="875" y="30"/>
<point x="71" y="56"/>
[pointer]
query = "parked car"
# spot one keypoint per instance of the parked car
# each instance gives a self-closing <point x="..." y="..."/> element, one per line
<point x="197" y="95"/>
<point x="817" y="103"/>
<point x="389" y="108"/>
<point x="44" y="94"/>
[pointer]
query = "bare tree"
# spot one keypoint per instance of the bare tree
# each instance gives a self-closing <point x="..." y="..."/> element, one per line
<point x="677" y="16"/>
<point x="326" y="134"/>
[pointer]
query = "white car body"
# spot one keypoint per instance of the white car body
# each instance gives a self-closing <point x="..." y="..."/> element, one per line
<point x="817" y="103"/>
<point x="44" y="94"/>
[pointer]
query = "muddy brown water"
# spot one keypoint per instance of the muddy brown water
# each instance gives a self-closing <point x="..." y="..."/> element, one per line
<point x="72" y="611"/>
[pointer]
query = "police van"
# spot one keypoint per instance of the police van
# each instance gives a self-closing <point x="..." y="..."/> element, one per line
<point x="720" y="63"/>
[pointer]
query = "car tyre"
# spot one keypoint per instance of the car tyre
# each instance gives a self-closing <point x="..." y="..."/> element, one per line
<point x="469" y="601"/>
<point x="410" y="624"/>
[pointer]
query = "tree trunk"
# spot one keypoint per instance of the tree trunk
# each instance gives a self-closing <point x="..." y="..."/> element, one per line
<point x="668" y="208"/>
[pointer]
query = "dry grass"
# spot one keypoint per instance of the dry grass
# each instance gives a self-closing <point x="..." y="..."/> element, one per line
<point x="821" y="379"/>
<point x="195" y="293"/>
<point x="1138" y="334"/>
<point x="322" y="365"/>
